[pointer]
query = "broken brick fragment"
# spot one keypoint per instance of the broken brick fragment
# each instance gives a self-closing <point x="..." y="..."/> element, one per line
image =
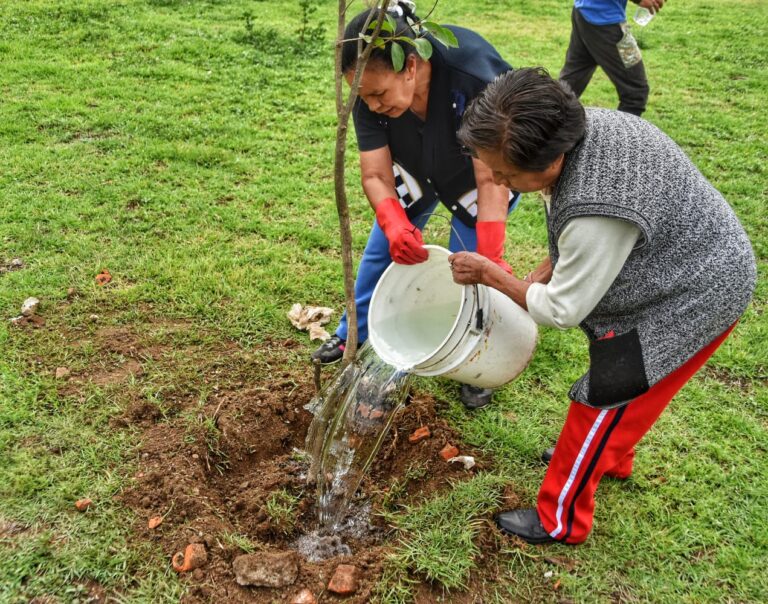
<point x="419" y="434"/>
<point x="194" y="556"/>
<point x="155" y="521"/>
<point x="304" y="597"/>
<point x="449" y="451"/>
<point x="344" y="580"/>
<point x="103" y="277"/>
<point x="83" y="504"/>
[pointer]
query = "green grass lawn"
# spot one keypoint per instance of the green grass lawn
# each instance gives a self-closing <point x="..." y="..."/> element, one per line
<point x="191" y="156"/>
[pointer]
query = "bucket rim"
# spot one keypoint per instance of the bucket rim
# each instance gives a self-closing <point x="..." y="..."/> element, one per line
<point x="428" y="357"/>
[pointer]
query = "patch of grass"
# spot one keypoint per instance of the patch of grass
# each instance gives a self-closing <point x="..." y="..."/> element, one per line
<point x="437" y="538"/>
<point x="240" y="541"/>
<point x="281" y="508"/>
<point x="399" y="487"/>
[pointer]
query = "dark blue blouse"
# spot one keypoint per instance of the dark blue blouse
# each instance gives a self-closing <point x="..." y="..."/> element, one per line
<point x="429" y="160"/>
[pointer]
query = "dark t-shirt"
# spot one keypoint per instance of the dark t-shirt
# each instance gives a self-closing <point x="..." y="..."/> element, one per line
<point x="429" y="161"/>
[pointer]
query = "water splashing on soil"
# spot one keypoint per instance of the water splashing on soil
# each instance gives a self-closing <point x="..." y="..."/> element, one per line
<point x="353" y="414"/>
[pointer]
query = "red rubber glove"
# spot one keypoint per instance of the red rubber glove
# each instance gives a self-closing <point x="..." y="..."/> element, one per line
<point x="405" y="242"/>
<point x="490" y="242"/>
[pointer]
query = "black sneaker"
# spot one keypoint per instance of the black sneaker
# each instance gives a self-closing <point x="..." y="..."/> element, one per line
<point x="473" y="397"/>
<point x="330" y="351"/>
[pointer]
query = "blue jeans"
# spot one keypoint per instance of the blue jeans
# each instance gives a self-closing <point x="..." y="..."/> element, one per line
<point x="376" y="259"/>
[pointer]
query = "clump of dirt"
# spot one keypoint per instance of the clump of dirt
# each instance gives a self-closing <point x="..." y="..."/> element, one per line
<point x="220" y="460"/>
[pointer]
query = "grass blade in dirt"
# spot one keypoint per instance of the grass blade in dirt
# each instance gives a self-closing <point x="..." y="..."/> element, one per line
<point x="352" y="417"/>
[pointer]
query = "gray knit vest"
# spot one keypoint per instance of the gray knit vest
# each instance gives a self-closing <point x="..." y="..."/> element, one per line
<point x="691" y="274"/>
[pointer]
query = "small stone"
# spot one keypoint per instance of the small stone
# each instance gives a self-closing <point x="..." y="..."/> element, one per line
<point x="267" y="569"/>
<point x="16" y="263"/>
<point x="62" y="372"/>
<point x="29" y="307"/>
<point x="548" y="574"/>
<point x="449" y="451"/>
<point x="83" y="504"/>
<point x="93" y="318"/>
<point x="304" y="597"/>
<point x="194" y="556"/>
<point x="195" y="456"/>
<point x="154" y="522"/>
<point x="419" y="434"/>
<point x="344" y="580"/>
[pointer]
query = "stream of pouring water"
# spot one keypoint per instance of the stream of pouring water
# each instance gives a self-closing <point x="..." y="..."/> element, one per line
<point x="353" y="414"/>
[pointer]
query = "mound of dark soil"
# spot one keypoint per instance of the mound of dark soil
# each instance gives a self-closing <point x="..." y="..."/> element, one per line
<point x="226" y="443"/>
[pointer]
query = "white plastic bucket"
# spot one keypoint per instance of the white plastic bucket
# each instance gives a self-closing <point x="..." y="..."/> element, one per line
<point x="420" y="321"/>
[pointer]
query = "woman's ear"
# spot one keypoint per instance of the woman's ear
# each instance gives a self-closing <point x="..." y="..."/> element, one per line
<point x="410" y="66"/>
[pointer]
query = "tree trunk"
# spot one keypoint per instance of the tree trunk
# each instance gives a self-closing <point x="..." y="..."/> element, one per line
<point x="343" y="111"/>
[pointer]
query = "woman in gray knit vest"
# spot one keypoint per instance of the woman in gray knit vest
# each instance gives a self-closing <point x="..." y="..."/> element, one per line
<point x="645" y="256"/>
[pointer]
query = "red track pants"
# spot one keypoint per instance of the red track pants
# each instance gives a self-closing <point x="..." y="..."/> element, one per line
<point x="594" y="442"/>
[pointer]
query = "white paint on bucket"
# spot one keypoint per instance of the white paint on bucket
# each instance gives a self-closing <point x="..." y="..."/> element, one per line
<point x="420" y="321"/>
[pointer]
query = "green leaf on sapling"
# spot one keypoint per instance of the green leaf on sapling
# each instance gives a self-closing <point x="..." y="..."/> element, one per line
<point x="389" y="24"/>
<point x="442" y="34"/>
<point x="423" y="47"/>
<point x="398" y="57"/>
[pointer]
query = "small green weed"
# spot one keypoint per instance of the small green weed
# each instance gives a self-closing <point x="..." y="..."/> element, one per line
<point x="240" y="541"/>
<point x="281" y="507"/>
<point x="399" y="488"/>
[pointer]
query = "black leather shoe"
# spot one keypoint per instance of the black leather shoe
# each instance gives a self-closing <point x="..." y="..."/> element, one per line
<point x="524" y="524"/>
<point x="473" y="397"/>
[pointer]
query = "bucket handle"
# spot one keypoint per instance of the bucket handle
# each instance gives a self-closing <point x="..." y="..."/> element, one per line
<point x="450" y="224"/>
<point x="479" y="322"/>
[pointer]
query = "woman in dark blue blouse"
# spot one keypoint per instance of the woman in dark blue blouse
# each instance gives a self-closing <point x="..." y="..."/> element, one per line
<point x="410" y="160"/>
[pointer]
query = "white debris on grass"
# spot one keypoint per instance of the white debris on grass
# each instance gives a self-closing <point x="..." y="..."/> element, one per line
<point x="311" y="319"/>
<point x="29" y="307"/>
<point x="467" y="460"/>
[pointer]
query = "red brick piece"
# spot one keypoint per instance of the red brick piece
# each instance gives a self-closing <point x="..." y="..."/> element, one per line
<point x="419" y="434"/>
<point x="194" y="556"/>
<point x="83" y="504"/>
<point x="449" y="451"/>
<point x="304" y="597"/>
<point x="155" y="521"/>
<point x="344" y="580"/>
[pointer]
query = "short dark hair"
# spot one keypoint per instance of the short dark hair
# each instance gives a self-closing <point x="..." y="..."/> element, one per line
<point x="528" y="116"/>
<point x="382" y="57"/>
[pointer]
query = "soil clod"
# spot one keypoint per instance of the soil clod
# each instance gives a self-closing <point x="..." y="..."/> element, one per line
<point x="267" y="569"/>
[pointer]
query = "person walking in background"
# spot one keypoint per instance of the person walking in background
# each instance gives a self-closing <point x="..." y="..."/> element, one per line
<point x="600" y="37"/>
<point x="645" y="256"/>
<point x="410" y="160"/>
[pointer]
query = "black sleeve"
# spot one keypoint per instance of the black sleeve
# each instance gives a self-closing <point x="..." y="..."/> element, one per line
<point x="371" y="129"/>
